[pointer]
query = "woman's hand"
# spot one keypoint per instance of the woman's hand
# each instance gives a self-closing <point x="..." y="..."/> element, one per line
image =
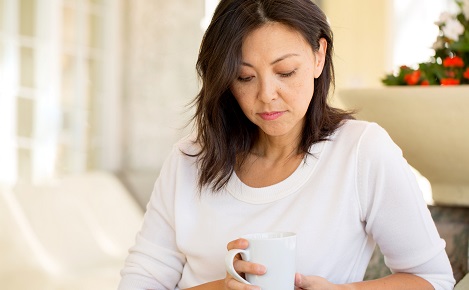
<point x="242" y="267"/>
<point x="394" y="281"/>
<point x="313" y="283"/>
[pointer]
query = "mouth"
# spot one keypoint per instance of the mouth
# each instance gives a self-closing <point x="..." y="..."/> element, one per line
<point x="269" y="116"/>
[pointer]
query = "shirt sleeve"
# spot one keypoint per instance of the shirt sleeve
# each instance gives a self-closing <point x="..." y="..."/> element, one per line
<point x="155" y="262"/>
<point x="395" y="213"/>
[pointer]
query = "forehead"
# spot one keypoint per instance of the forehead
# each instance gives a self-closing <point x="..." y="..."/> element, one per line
<point x="274" y="38"/>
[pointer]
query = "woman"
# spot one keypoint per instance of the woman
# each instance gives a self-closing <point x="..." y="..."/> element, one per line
<point x="269" y="154"/>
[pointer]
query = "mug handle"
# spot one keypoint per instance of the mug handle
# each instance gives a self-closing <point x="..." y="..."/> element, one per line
<point x="229" y="263"/>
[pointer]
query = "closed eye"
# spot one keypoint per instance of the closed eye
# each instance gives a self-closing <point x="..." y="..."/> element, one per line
<point x="288" y="74"/>
<point x="245" y="79"/>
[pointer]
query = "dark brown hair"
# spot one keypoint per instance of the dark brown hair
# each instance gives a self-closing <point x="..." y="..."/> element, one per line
<point x="223" y="131"/>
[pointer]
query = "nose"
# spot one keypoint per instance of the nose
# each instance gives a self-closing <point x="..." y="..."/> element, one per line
<point x="267" y="90"/>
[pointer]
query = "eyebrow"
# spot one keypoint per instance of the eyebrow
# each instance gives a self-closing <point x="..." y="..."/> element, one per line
<point x="275" y="61"/>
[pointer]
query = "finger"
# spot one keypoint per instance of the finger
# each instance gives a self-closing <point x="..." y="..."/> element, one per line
<point x="242" y="266"/>
<point x="238" y="244"/>
<point x="231" y="283"/>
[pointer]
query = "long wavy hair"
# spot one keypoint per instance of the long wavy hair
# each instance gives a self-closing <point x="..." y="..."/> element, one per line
<point x="224" y="133"/>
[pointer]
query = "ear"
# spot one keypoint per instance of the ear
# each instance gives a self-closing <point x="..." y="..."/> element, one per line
<point x="320" y="58"/>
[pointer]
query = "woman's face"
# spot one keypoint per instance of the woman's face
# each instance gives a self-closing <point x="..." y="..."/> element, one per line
<point x="275" y="81"/>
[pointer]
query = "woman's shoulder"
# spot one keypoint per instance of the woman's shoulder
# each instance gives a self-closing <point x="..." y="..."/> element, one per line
<point x="182" y="155"/>
<point x="364" y="134"/>
<point x="187" y="145"/>
<point x="357" y="129"/>
<point x="367" y="137"/>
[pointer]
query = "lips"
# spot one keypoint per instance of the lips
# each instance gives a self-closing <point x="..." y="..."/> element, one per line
<point x="269" y="116"/>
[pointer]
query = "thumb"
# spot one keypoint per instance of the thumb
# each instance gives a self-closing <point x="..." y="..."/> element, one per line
<point x="300" y="281"/>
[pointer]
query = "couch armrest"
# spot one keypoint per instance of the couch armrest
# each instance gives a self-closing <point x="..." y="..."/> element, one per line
<point x="463" y="284"/>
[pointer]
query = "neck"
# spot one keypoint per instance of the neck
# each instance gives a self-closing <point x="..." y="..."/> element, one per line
<point x="278" y="156"/>
<point x="276" y="148"/>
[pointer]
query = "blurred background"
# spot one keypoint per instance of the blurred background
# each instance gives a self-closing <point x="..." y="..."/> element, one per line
<point x="93" y="93"/>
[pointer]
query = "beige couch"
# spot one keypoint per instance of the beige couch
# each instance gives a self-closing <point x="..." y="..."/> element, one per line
<point x="70" y="234"/>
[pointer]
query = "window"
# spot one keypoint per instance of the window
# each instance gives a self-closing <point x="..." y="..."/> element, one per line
<point x="414" y="29"/>
<point x="59" y="96"/>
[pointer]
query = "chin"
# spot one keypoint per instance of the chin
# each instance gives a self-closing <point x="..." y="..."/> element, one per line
<point x="275" y="132"/>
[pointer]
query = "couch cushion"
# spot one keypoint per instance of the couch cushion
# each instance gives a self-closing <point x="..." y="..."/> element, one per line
<point x="70" y="232"/>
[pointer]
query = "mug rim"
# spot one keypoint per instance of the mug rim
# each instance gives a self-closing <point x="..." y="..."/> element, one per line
<point x="269" y="235"/>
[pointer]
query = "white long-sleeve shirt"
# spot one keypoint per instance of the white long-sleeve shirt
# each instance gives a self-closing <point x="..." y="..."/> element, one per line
<point x="350" y="193"/>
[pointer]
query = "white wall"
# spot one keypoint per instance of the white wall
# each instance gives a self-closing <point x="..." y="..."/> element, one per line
<point x="362" y="40"/>
<point x="162" y="39"/>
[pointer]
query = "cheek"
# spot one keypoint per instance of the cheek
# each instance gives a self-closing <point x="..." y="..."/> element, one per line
<point x="242" y="94"/>
<point x="309" y="85"/>
<point x="304" y="88"/>
<point x="241" y="99"/>
<point x="238" y="92"/>
<point x="303" y="94"/>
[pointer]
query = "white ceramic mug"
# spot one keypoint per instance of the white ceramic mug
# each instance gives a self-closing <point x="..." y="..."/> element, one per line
<point x="276" y="251"/>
